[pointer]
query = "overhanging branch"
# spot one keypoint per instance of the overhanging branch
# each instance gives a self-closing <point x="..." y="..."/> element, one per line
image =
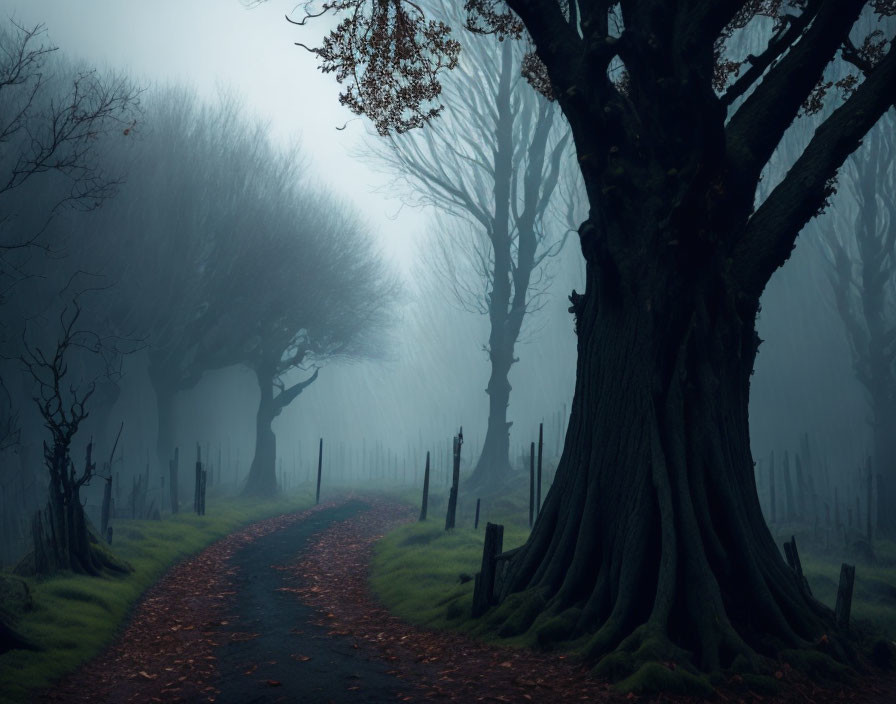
<point x="772" y="230"/>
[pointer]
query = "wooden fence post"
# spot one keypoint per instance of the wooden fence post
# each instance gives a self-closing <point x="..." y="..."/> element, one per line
<point x="107" y="504"/>
<point x="320" y="459"/>
<point x="425" y="505"/>
<point x="484" y="586"/>
<point x="844" y="594"/>
<point x="793" y="559"/>
<point x="197" y="478"/>
<point x="476" y="520"/>
<point x="203" y="482"/>
<point x="540" y="451"/>
<point x="531" y="483"/>
<point x="451" y="513"/>
<point x="173" y="480"/>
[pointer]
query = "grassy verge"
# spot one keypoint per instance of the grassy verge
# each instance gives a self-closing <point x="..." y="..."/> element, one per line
<point x="416" y="568"/>
<point x="74" y="616"/>
<point x="874" y="592"/>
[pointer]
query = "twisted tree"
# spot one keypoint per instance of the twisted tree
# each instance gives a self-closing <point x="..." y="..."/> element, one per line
<point x="326" y="296"/>
<point x="62" y="535"/>
<point x="651" y="544"/>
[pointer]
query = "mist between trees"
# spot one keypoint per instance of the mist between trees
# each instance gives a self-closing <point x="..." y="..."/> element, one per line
<point x="255" y="304"/>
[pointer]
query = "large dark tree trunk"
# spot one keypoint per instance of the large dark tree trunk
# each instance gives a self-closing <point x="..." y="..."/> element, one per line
<point x="262" y="479"/>
<point x="652" y="533"/>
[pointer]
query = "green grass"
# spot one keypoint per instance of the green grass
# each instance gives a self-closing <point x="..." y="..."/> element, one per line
<point x="75" y="616"/>
<point x="416" y="568"/>
<point x="874" y="592"/>
<point x="415" y="571"/>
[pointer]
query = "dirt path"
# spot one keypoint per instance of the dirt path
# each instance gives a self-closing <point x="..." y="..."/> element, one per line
<point x="274" y="651"/>
<point x="221" y="628"/>
<point x="280" y="612"/>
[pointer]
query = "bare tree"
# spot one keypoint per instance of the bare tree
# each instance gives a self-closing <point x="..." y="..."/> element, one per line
<point x="862" y="253"/>
<point x="498" y="165"/>
<point x="327" y="296"/>
<point x="193" y="175"/>
<point x="51" y="119"/>
<point x="63" y="537"/>
<point x="55" y="122"/>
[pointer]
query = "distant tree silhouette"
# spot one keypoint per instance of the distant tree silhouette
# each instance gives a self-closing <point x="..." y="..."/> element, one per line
<point x="498" y="167"/>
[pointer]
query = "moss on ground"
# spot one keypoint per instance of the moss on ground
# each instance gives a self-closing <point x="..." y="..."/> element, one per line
<point x="416" y="568"/>
<point x="653" y="677"/>
<point x="74" y="616"/>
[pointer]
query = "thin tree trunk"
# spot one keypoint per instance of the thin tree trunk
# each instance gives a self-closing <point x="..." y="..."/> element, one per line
<point x="494" y="461"/>
<point x="262" y="479"/>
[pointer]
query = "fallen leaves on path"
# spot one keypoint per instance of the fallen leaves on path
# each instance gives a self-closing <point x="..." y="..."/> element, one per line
<point x="167" y="648"/>
<point x="165" y="653"/>
<point x="332" y="577"/>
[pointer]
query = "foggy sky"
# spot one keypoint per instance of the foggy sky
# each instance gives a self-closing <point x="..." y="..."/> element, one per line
<point x="437" y="373"/>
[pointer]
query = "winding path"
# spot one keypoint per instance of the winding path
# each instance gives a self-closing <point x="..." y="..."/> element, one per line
<point x="280" y="612"/>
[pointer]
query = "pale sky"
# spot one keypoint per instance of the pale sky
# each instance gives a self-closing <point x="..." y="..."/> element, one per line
<point x="209" y="44"/>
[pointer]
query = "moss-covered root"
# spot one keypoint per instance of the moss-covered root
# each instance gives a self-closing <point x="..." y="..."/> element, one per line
<point x="517" y="612"/>
<point x="648" y="662"/>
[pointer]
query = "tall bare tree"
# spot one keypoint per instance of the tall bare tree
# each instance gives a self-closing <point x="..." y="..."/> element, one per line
<point x="862" y="252"/>
<point x="651" y="542"/>
<point x="498" y="166"/>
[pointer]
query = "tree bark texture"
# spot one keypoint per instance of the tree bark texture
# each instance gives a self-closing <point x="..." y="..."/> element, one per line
<point x="652" y="528"/>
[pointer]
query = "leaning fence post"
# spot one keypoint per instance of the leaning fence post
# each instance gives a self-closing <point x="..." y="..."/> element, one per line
<point x="455" y="482"/>
<point x="476" y="521"/>
<point x="484" y="586"/>
<point x="793" y="559"/>
<point x="844" y="594"/>
<point x="540" y="449"/>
